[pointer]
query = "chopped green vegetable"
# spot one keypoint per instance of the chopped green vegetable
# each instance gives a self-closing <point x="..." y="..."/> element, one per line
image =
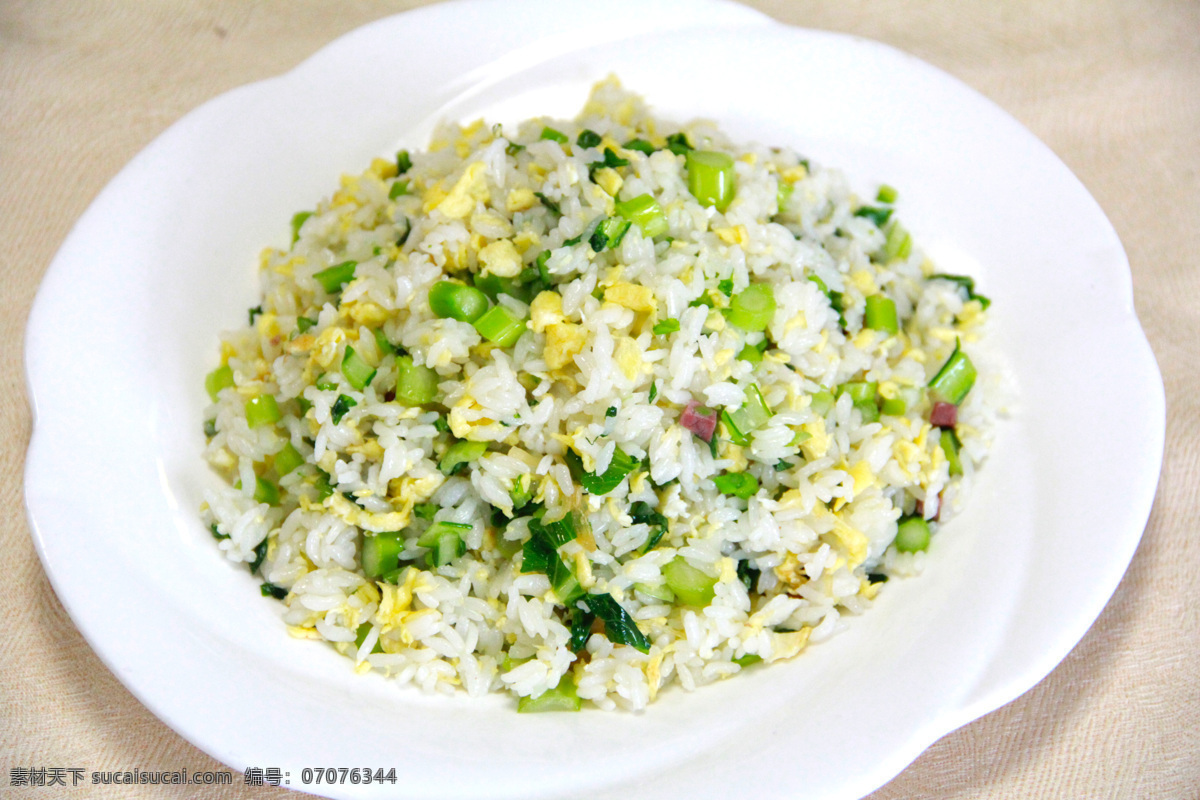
<point x="445" y="539"/>
<point x="563" y="697"/>
<point x="950" y="446"/>
<point x="618" y="625"/>
<point x="358" y="372"/>
<point x="863" y="395"/>
<point x="645" y="212"/>
<point x="906" y="397"/>
<point x="260" y="555"/>
<point x="500" y="326"/>
<point x="783" y="196"/>
<point x="304" y="323"/>
<point x="325" y="383"/>
<point x="403" y="162"/>
<point x="425" y="511"/>
<point x="711" y="178"/>
<point x="753" y="414"/>
<point x="653" y="391"/>
<point x="725" y="287"/>
<point x="461" y="452"/>
<point x="360" y="636"/>
<point x="588" y="138"/>
<point x="955" y="379"/>
<point x="641" y="145"/>
<point x="967" y="284"/>
<point x="298" y="220"/>
<point x="210" y="428"/>
<point x="747" y="660"/>
<point x="514" y="148"/>
<point x="912" y="535"/>
<point x="752" y="308"/>
<point x="879" y="216"/>
<point x="341" y="407"/>
<point x="611" y="160"/>
<point x="678" y="144"/>
<point x="254" y="313"/>
<point x="665" y="327"/>
<point x="553" y="135"/>
<point x="266" y="492"/>
<point x="690" y="585"/>
<point x="658" y="592"/>
<point x="620" y="466"/>
<point x="271" y="590"/>
<point x="416" y="384"/>
<point x="881" y="314"/>
<point x="738" y="484"/>
<point x="335" y="277"/>
<point x="886" y="194"/>
<point x="822" y="401"/>
<point x="220" y="378"/>
<point x="381" y="553"/>
<point x="287" y="459"/>
<point x="548" y="203"/>
<point x="381" y="341"/>
<point x="899" y="242"/>
<point x="581" y="628"/>
<point x="261" y="409"/>
<point x="609" y="233"/>
<point x="399" y="189"/>
<point x="450" y="300"/>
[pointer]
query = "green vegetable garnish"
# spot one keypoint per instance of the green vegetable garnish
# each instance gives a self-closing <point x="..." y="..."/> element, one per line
<point x="738" y="484"/>
<point x="752" y="308"/>
<point x="710" y="178"/>
<point x="334" y="278"/>
<point x="261" y="409"/>
<point x="288" y="459"/>
<point x="553" y="135"/>
<point x="220" y="378"/>
<point x="341" y="407"/>
<point x="666" y="326"/>
<point x="690" y="585"/>
<point x="456" y="301"/>
<point x="912" y="535"/>
<point x="416" y="384"/>
<point x="645" y="212"/>
<point x="955" y="379"/>
<point x="562" y="697"/>
<point x="618" y="625"/>
<point x="588" y="138"/>
<point x="500" y="326"/>
<point x="358" y="372"/>
<point x="881" y="314"/>
<point x="381" y="553"/>
<point x="461" y="452"/>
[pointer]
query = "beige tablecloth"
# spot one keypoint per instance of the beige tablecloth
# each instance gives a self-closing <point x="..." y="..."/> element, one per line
<point x="1112" y="86"/>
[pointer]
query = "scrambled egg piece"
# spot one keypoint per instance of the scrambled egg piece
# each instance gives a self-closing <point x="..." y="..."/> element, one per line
<point x="520" y="200"/>
<point x="501" y="258"/>
<point x="545" y="310"/>
<point x="628" y="357"/>
<point x="351" y="514"/>
<point x="472" y="186"/>
<point x="631" y="296"/>
<point x="818" y="441"/>
<point x="563" y="341"/>
<point x="325" y="349"/>
<point x="366" y="313"/>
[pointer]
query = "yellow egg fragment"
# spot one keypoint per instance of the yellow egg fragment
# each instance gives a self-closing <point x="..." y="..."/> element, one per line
<point x="564" y="340"/>
<point x="471" y="187"/>
<point x="544" y="311"/>
<point x="631" y="296"/>
<point x="501" y="258"/>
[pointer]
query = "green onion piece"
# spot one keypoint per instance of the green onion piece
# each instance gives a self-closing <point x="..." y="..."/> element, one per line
<point x="641" y="145"/>
<point x="620" y="466"/>
<point x="563" y="697"/>
<point x="514" y="148"/>
<point x="271" y="590"/>
<point x="399" y="188"/>
<point x="254" y="313"/>
<point x="954" y="379"/>
<point x="321" y="484"/>
<point x="881" y="314"/>
<point x="266" y="492"/>
<point x="645" y="212"/>
<point x="440" y="529"/>
<point x="210" y="428"/>
<point x="658" y="592"/>
<point x="879" y="216"/>
<point x="906" y="397"/>
<point x="611" y="160"/>
<point x="618" y="625"/>
<point x="678" y="144"/>
<point x="912" y="535"/>
<point x="738" y="484"/>
<point x="325" y="383"/>
<point x="950" y="446"/>
<point x="753" y="414"/>
<point x="710" y="178"/>
<point x="403" y="162"/>
<point x="736" y="434"/>
<point x="665" y="327"/>
<point x="341" y="407"/>
<point x="553" y="135"/>
<point x="540" y="263"/>
<point x="747" y="660"/>
<point x="863" y="395"/>
<point x="358" y="372"/>
<point x="260" y="555"/>
<point x="588" y="138"/>
<point x="416" y="384"/>
<point x="653" y="391"/>
<point x="608" y="233"/>
<point x="690" y="585"/>
<point x="751" y="354"/>
<point x="334" y="278"/>
<point x="752" y="308"/>
<point x="381" y="341"/>
<point x="304" y="323"/>
<point x="822" y="401"/>
<point x="455" y="301"/>
<point x="899" y="242"/>
<point x="381" y="553"/>
<point x="783" y="196"/>
<point x="425" y="511"/>
<point x="287" y="459"/>
<point x="886" y="194"/>
<point x="298" y="220"/>
<point x="360" y="634"/>
<point x="262" y="410"/>
<point x="220" y="378"/>
<point x="461" y="452"/>
<point x="548" y="203"/>
<point x="967" y="284"/>
<point x="500" y="326"/>
<point x="725" y="287"/>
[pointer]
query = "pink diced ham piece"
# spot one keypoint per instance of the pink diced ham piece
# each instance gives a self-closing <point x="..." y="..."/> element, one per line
<point x="700" y="424"/>
<point x="944" y="415"/>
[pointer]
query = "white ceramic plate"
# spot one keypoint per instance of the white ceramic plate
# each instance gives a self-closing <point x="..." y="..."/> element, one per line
<point x="124" y="329"/>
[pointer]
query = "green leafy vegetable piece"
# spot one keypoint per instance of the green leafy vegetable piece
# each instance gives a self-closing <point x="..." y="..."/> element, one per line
<point x="618" y="625"/>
